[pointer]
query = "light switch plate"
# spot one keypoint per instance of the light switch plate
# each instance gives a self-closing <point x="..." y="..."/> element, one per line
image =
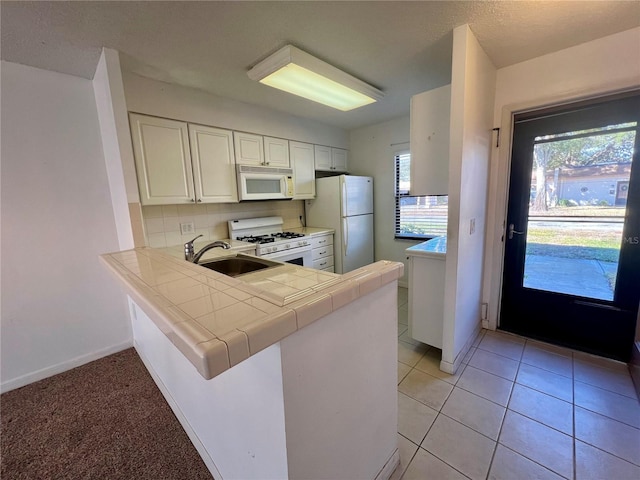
<point x="187" y="228"/>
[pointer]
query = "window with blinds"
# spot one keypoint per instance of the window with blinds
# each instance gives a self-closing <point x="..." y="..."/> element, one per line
<point x="420" y="217"/>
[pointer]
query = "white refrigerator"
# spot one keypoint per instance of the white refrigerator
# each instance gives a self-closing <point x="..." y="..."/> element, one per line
<point x="345" y="203"/>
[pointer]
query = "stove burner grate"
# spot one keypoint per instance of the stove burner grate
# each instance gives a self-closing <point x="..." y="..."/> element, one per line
<point x="257" y="239"/>
<point x="287" y="235"/>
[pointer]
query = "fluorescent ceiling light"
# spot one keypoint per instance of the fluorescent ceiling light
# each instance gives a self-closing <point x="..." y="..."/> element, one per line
<point x="294" y="71"/>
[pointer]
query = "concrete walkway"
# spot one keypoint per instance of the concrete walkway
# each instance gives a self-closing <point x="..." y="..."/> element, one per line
<point x="586" y="278"/>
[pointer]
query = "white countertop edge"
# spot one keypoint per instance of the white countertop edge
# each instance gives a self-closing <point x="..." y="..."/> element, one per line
<point x="434" y="248"/>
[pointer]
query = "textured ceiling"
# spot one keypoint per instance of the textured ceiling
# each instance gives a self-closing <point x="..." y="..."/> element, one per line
<point x="402" y="48"/>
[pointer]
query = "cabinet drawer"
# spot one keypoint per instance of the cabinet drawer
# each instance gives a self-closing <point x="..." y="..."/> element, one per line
<point x="323" y="263"/>
<point x="322" y="252"/>
<point x="321" y="241"/>
<point x="328" y="269"/>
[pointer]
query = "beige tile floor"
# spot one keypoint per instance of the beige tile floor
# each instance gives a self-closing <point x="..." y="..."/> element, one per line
<point x="516" y="409"/>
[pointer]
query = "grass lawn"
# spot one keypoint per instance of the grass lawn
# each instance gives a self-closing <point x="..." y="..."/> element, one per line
<point x="581" y="211"/>
<point x="586" y="244"/>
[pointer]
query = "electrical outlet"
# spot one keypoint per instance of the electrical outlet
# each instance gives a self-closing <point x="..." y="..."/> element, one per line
<point x="187" y="228"/>
<point x="472" y="226"/>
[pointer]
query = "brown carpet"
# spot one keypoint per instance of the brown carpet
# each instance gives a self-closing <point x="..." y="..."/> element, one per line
<point x="103" y="420"/>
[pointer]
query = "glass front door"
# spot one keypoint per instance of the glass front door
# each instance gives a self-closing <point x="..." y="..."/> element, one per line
<point x="571" y="271"/>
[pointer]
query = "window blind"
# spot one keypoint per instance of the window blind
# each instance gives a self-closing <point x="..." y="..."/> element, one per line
<point x="416" y="216"/>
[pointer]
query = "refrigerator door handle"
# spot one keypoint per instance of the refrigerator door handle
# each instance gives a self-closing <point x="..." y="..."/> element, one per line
<point x="343" y="200"/>
<point x="345" y="235"/>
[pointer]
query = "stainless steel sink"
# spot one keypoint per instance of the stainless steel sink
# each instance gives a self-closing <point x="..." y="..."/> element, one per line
<point x="238" y="265"/>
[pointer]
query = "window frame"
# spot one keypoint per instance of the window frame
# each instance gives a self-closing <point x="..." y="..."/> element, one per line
<point x="399" y="194"/>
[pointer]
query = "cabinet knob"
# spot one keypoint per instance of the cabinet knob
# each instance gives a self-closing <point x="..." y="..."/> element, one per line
<point x="192" y="200"/>
<point x="199" y="200"/>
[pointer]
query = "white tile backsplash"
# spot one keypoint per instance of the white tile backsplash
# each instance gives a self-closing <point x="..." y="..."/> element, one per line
<point x="162" y="223"/>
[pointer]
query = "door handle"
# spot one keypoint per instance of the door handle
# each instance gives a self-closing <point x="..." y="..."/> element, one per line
<point x="345" y="234"/>
<point x="512" y="231"/>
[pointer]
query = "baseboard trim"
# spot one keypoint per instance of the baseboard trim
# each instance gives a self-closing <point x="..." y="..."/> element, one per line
<point x="451" y="368"/>
<point x="47" y="372"/>
<point x="390" y="466"/>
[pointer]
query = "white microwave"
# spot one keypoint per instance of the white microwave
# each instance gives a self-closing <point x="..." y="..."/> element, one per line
<point x="264" y="183"/>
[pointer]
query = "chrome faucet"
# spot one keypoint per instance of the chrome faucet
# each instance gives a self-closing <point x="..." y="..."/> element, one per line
<point x="191" y="256"/>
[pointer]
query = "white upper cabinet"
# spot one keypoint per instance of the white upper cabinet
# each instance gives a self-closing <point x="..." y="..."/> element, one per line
<point x="214" y="170"/>
<point x="430" y="113"/>
<point x="304" y="176"/>
<point x="339" y="159"/>
<point x="249" y="148"/>
<point x="178" y="162"/>
<point x="163" y="160"/>
<point x="323" y="158"/>
<point x="329" y="159"/>
<point x="276" y="152"/>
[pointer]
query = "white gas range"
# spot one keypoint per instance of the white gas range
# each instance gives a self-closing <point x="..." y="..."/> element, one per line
<point x="271" y="242"/>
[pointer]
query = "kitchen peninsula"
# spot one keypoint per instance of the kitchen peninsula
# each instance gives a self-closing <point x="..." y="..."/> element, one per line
<point x="286" y="372"/>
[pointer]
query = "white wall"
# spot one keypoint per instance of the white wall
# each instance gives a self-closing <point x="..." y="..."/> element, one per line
<point x="152" y="97"/>
<point x="473" y="80"/>
<point x="60" y="308"/>
<point x="594" y="68"/>
<point x="371" y="153"/>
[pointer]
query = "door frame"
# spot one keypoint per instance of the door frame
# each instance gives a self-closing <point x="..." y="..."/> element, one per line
<point x="581" y="321"/>
<point x="499" y="188"/>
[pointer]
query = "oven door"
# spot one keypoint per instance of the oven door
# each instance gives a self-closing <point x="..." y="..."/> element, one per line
<point x="299" y="256"/>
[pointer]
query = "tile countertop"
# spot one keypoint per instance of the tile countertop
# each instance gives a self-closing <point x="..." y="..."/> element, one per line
<point x="312" y="231"/>
<point x="435" y="248"/>
<point x="217" y="321"/>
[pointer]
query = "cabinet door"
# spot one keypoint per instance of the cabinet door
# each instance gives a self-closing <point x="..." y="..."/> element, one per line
<point x="429" y="135"/>
<point x="339" y="159"/>
<point x="249" y="148"/>
<point x="163" y="160"/>
<point x="214" y="169"/>
<point x="323" y="158"/>
<point x="304" y="175"/>
<point x="276" y="152"/>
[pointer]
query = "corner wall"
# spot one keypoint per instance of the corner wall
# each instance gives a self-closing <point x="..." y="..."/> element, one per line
<point x="371" y="154"/>
<point x="60" y="309"/>
<point x="473" y="81"/>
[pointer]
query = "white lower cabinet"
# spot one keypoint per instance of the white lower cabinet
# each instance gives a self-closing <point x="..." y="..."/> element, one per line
<point x="323" y="258"/>
<point x="426" y="299"/>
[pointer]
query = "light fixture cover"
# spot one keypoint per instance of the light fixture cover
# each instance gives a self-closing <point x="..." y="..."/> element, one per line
<point x="294" y="71"/>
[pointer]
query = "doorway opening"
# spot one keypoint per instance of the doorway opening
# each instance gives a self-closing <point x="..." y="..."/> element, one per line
<point x="572" y="261"/>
